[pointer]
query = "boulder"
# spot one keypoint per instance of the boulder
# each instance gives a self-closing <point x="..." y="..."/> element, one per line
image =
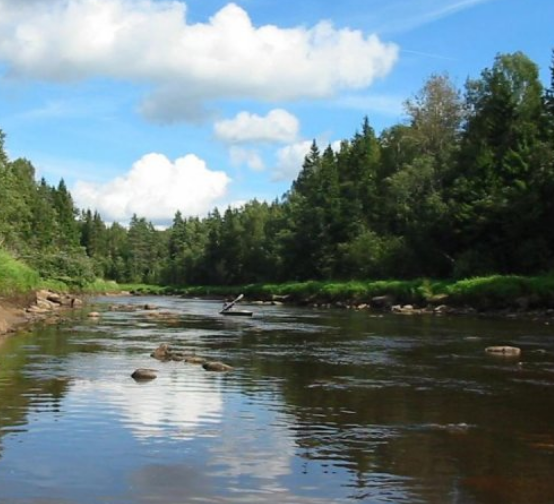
<point x="382" y="302"/>
<point x="162" y="353"/>
<point x="195" y="359"/>
<point x="37" y="310"/>
<point x="45" y="304"/>
<point x="144" y="374"/>
<point x="503" y="351"/>
<point x="216" y="366"/>
<point x="47" y="295"/>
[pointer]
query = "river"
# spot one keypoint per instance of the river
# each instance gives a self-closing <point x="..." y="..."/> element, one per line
<point x="322" y="407"/>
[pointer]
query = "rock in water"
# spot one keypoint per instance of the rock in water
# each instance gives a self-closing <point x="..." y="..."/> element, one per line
<point x="162" y="353"/>
<point x="216" y="366"/>
<point x="195" y="359"/>
<point x="504" y="351"/>
<point x="144" y="374"/>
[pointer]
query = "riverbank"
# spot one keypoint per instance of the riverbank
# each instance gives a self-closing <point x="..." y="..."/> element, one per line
<point x="19" y="310"/>
<point x="500" y="296"/>
<point x="495" y="293"/>
<point x="10" y="317"/>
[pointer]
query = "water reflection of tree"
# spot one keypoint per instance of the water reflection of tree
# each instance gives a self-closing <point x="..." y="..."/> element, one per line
<point x="21" y="389"/>
<point x="433" y="441"/>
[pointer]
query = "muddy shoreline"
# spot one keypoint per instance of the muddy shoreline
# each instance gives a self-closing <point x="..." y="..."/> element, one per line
<point x="16" y="312"/>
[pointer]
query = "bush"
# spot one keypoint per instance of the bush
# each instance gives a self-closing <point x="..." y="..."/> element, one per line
<point x="74" y="269"/>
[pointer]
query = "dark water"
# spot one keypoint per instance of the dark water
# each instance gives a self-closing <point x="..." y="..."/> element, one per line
<point x="322" y="407"/>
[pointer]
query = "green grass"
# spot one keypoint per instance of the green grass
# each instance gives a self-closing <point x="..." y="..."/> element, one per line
<point x="483" y="293"/>
<point x="497" y="291"/>
<point x="146" y="289"/>
<point x="15" y="276"/>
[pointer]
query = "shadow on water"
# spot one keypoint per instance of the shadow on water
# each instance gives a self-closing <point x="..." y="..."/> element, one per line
<point x="322" y="407"/>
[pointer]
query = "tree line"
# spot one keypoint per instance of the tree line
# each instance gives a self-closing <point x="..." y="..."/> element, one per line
<point x="463" y="187"/>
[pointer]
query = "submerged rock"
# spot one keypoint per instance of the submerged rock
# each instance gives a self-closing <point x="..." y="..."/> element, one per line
<point x="216" y="366"/>
<point x="162" y="353"/>
<point x="195" y="359"/>
<point x="165" y="353"/>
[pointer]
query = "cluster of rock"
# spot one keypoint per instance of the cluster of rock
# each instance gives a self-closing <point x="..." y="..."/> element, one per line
<point x="47" y="306"/>
<point x="44" y="305"/>
<point x="527" y="307"/>
<point x="389" y="304"/>
<point x="132" y="307"/>
<point x="47" y="301"/>
<point x="165" y="353"/>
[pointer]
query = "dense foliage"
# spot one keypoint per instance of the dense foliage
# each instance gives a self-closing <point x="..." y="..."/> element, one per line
<point x="464" y="187"/>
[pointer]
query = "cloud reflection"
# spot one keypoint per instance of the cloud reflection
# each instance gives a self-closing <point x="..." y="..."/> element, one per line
<point x="159" y="409"/>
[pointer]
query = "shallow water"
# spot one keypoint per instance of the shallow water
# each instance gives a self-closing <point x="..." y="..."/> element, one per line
<point x="322" y="407"/>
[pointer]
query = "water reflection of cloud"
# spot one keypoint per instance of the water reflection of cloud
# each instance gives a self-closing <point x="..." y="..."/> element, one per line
<point x="163" y="484"/>
<point x="256" y="447"/>
<point x="160" y="409"/>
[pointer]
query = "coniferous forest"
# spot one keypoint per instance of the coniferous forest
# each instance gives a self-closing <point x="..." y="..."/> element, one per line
<point x="463" y="187"/>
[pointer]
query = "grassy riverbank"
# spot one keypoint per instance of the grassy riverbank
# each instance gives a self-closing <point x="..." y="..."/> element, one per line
<point x="482" y="293"/>
<point x="15" y="276"/>
<point x="18" y="278"/>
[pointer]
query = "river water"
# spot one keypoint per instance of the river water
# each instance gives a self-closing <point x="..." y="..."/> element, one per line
<point x="323" y="406"/>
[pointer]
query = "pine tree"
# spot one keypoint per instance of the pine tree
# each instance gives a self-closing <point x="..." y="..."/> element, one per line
<point x="492" y="193"/>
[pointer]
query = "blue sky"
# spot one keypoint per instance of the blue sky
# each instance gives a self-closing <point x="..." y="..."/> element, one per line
<point x="153" y="106"/>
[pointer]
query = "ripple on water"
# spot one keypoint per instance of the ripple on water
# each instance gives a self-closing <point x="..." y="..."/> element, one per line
<point x="321" y="408"/>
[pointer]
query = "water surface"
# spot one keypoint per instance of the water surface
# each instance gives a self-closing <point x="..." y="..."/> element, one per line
<point x="323" y="406"/>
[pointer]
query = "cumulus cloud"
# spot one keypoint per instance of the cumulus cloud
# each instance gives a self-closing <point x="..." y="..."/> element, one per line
<point x="185" y="65"/>
<point x="278" y="126"/>
<point x="290" y="159"/>
<point x="248" y="157"/>
<point x="155" y="188"/>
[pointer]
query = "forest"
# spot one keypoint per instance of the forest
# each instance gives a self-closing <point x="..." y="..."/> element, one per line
<point x="463" y="187"/>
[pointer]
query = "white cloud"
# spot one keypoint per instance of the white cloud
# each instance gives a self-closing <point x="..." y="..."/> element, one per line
<point x="185" y="65"/>
<point x="290" y="160"/>
<point x="249" y="157"/>
<point x="278" y="126"/>
<point x="155" y="188"/>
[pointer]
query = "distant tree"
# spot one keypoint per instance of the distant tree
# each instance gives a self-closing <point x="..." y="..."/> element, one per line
<point x="144" y="251"/>
<point x="301" y="237"/>
<point x="66" y="215"/>
<point x="45" y="227"/>
<point x="435" y="117"/>
<point x="493" y="200"/>
<point x="3" y="155"/>
<point x="17" y="191"/>
<point x="358" y="167"/>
